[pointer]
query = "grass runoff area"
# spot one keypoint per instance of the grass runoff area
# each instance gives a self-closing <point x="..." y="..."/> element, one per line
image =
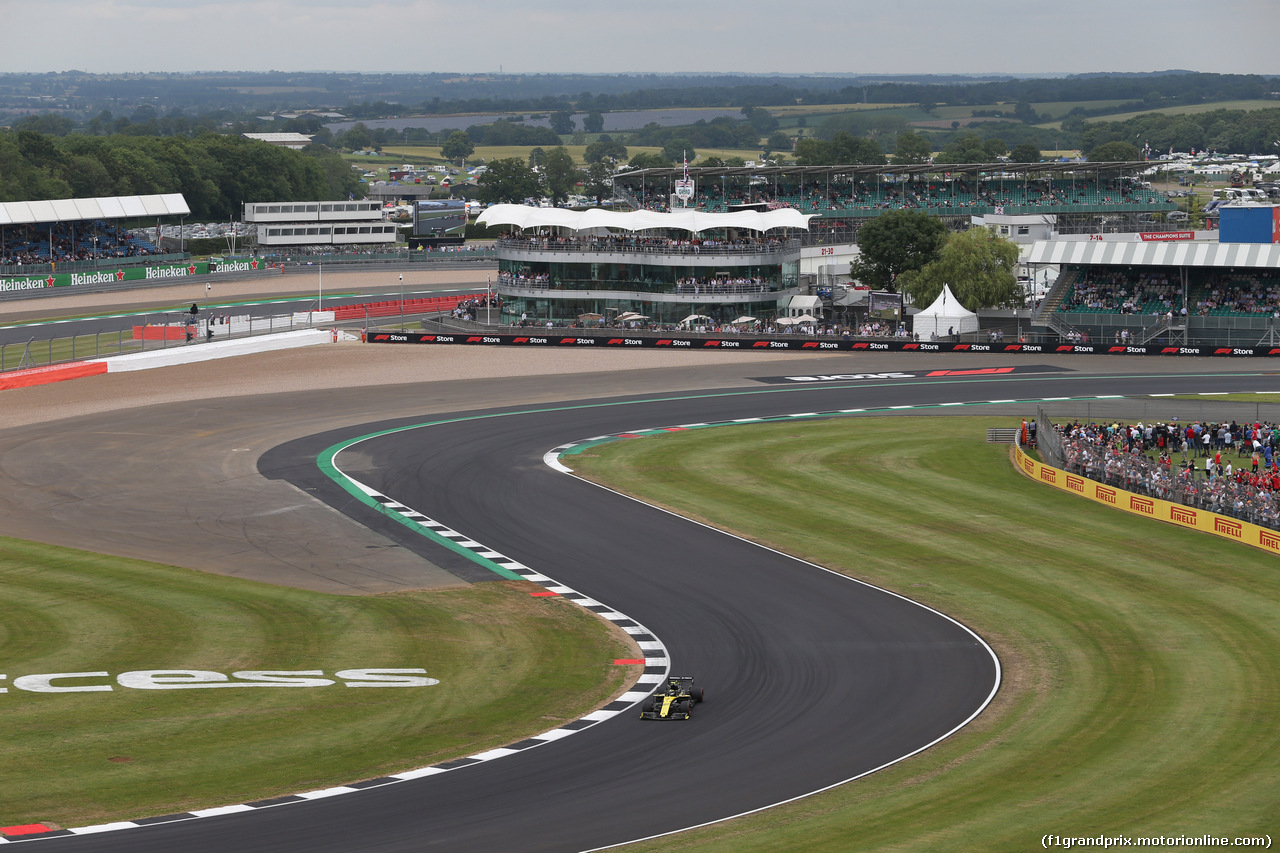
<point x="1141" y="690"/>
<point x="509" y="666"/>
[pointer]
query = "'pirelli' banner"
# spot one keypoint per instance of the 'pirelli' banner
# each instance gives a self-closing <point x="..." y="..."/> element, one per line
<point x="558" y="338"/>
<point x="1135" y="504"/>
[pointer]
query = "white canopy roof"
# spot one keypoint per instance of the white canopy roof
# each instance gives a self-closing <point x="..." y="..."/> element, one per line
<point x="695" y="221"/>
<point x="945" y="315"/>
<point x="1181" y="253"/>
<point x="110" y="207"/>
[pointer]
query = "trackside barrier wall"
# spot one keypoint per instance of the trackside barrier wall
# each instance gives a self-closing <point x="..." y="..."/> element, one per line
<point x="1135" y="504"/>
<point x="430" y="305"/>
<point x="559" y="338"/>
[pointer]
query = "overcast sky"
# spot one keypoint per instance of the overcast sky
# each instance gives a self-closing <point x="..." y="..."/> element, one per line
<point x="850" y="36"/>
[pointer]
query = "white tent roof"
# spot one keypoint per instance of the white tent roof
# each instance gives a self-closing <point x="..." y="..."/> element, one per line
<point x="946" y="305"/>
<point x="74" y="209"/>
<point x="695" y="221"/>
<point x="1181" y="253"/>
<point x="946" y="313"/>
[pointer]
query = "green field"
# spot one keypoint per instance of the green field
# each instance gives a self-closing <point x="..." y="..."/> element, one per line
<point x="509" y="666"/>
<point x="1141" y="684"/>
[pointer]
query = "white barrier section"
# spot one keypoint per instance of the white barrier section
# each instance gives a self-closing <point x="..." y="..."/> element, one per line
<point x="189" y="353"/>
<point x="304" y="317"/>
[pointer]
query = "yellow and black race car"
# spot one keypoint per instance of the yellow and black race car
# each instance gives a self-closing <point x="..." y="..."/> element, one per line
<point x="675" y="703"/>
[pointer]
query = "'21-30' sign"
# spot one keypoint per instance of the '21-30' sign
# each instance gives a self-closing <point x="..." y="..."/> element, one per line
<point x="201" y="679"/>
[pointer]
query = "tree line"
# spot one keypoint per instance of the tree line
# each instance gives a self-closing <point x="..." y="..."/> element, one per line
<point x="215" y="173"/>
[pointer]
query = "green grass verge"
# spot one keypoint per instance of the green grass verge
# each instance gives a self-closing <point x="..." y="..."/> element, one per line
<point x="509" y="666"/>
<point x="55" y="350"/>
<point x="1141" y="682"/>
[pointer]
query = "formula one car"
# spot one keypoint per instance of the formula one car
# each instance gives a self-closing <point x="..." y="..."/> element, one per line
<point x="675" y="703"/>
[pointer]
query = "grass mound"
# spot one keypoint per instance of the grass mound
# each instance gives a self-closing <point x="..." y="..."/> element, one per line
<point x="1141" y="685"/>
<point x="509" y="666"/>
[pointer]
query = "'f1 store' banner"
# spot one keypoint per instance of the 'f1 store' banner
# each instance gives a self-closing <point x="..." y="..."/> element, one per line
<point x="549" y="340"/>
<point x="1135" y="504"/>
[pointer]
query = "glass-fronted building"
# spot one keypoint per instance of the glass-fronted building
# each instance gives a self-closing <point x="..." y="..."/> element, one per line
<point x="562" y="265"/>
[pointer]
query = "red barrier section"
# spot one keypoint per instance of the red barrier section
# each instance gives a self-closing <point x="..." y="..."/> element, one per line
<point x="51" y="373"/>
<point x="430" y="305"/>
<point x="160" y="333"/>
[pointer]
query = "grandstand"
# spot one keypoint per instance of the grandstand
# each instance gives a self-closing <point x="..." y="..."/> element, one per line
<point x="1174" y="293"/>
<point x="37" y="236"/>
<point x="1083" y="196"/>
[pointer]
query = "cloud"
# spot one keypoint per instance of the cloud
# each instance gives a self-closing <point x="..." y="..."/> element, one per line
<point x="854" y="36"/>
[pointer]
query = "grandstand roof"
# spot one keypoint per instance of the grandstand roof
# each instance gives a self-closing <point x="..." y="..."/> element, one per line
<point x="986" y="169"/>
<point x="108" y="207"/>
<point x="523" y="216"/>
<point x="1181" y="254"/>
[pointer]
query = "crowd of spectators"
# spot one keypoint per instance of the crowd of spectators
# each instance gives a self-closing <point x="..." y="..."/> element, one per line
<point x="24" y="245"/>
<point x="1228" y="468"/>
<point x="1239" y="293"/>
<point x="924" y="194"/>
<point x="1157" y="292"/>
<point x="1123" y="292"/>
<point x="634" y="243"/>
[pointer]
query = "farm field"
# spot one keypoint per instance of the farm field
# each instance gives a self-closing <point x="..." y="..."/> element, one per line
<point x="1188" y="109"/>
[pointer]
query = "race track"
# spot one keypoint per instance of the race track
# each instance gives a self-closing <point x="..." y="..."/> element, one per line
<point x="811" y="678"/>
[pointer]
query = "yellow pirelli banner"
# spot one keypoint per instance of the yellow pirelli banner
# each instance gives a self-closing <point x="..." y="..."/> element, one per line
<point x="1183" y="516"/>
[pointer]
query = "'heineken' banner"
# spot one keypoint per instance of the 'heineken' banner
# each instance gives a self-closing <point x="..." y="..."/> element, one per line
<point x="109" y="276"/>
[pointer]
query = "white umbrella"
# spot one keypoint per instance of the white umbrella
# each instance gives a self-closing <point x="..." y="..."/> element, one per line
<point x="744" y="320"/>
<point x="805" y="318"/>
<point x="692" y="317"/>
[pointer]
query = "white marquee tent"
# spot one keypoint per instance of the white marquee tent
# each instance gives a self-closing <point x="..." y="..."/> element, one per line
<point x="946" y="314"/>
<point x="695" y="221"/>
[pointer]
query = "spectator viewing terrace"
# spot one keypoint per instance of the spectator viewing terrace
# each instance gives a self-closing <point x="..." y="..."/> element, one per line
<point x="861" y="191"/>
<point x="1227" y="468"/>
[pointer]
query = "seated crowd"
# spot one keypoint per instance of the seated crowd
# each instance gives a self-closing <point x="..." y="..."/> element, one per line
<point x="1153" y="291"/>
<point x="931" y="193"/>
<point x="1156" y="291"/>
<point x="695" y="244"/>
<point x="30" y="244"/>
<point x="1141" y="458"/>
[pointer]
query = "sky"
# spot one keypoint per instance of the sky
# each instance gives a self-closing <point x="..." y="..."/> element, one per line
<point x="607" y="36"/>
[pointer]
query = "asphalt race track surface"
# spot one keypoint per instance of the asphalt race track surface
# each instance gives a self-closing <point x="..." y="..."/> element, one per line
<point x="811" y="678"/>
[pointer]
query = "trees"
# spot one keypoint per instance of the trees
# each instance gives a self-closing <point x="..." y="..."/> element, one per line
<point x="1027" y="152"/>
<point x="911" y="148"/>
<point x="357" y="137"/>
<point x="593" y="122"/>
<point x="678" y="150"/>
<point x="559" y="174"/>
<point x="969" y="147"/>
<point x="1113" y="152"/>
<point x="562" y="122"/>
<point x="844" y="149"/>
<point x="894" y="243"/>
<point x="508" y="180"/>
<point x="761" y="119"/>
<point x="457" y="147"/>
<point x="647" y="160"/>
<point x="605" y="148"/>
<point x="599" y="181"/>
<point x="778" y="141"/>
<point x="977" y="264"/>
